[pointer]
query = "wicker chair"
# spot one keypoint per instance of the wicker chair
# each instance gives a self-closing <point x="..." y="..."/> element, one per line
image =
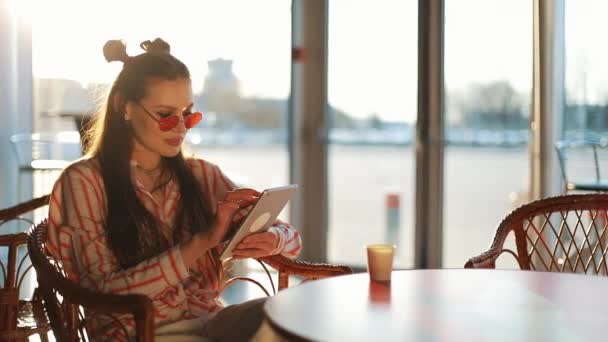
<point x="16" y="213"/>
<point x="558" y="234"/>
<point x="19" y="319"/>
<point x="68" y="321"/>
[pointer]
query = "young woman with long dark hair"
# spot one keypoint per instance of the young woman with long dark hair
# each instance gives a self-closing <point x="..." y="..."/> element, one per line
<point x="135" y="216"/>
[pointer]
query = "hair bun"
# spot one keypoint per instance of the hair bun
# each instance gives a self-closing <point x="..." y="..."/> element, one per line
<point x="115" y="50"/>
<point x="156" y="46"/>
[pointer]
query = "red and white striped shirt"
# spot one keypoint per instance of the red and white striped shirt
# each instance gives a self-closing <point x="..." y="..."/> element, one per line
<point x="76" y="236"/>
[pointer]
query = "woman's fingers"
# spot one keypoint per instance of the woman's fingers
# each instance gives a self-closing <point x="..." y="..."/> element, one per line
<point x="240" y="216"/>
<point x="244" y="197"/>
<point x="256" y="245"/>
<point x="223" y="219"/>
<point x="242" y="194"/>
<point x="225" y="211"/>
<point x="245" y="191"/>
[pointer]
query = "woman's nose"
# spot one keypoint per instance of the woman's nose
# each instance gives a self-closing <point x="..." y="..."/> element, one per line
<point x="181" y="125"/>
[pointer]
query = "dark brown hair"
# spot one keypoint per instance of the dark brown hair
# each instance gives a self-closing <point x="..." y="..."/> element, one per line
<point x="132" y="231"/>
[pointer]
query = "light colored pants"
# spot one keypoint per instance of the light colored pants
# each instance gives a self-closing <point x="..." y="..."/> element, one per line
<point x="239" y="322"/>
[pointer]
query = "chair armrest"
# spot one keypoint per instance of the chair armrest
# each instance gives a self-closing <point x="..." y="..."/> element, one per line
<point x="486" y="259"/>
<point x="50" y="280"/>
<point x="307" y="270"/>
<point x="16" y="239"/>
<point x="23" y="208"/>
<point x="140" y="306"/>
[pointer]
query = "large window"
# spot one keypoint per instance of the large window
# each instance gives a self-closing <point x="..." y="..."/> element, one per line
<point x="488" y="80"/>
<point x="238" y="54"/>
<point x="372" y="77"/>
<point x="584" y="145"/>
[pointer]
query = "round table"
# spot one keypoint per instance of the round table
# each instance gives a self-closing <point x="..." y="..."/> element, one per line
<point x="445" y="305"/>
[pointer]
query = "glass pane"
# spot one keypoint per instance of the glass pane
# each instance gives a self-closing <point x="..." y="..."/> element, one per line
<point x="586" y="72"/>
<point x="585" y="151"/>
<point x="238" y="53"/>
<point x="372" y="95"/>
<point x="488" y="80"/>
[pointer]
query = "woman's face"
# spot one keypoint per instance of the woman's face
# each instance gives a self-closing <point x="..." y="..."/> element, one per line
<point x="163" y="99"/>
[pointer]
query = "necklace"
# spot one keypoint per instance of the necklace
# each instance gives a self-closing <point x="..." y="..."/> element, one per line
<point x="156" y="175"/>
<point x="160" y="186"/>
<point x="149" y="171"/>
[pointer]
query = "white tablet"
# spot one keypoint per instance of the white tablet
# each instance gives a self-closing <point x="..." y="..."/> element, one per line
<point x="262" y="215"/>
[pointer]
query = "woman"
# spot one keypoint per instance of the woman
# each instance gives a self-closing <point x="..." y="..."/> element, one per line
<point x="135" y="216"/>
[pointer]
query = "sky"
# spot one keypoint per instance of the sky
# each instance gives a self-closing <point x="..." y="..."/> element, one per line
<point x="372" y="48"/>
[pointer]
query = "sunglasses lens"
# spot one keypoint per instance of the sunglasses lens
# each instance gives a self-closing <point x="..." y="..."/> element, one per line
<point x="168" y="123"/>
<point x="193" y="119"/>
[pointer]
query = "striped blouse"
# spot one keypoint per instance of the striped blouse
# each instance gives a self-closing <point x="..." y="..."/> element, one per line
<point x="76" y="236"/>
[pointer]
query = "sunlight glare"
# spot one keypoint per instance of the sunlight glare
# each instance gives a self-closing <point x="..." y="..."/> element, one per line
<point x="22" y="10"/>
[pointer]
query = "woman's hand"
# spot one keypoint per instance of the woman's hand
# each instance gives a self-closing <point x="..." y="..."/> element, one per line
<point x="234" y="201"/>
<point x="200" y="243"/>
<point x="256" y="245"/>
<point x="247" y="198"/>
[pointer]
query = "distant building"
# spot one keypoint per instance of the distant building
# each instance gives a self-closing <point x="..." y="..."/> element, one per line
<point x="221" y="89"/>
<point x="56" y="96"/>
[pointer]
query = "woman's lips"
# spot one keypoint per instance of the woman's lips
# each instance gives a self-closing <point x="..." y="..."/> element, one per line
<point x="174" y="141"/>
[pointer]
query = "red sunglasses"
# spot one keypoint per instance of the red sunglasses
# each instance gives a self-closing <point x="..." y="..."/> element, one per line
<point x="169" y="122"/>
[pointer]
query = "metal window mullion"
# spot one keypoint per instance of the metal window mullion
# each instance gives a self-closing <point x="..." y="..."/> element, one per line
<point x="547" y="103"/>
<point x="308" y="129"/>
<point x="429" y="136"/>
<point x="548" y="97"/>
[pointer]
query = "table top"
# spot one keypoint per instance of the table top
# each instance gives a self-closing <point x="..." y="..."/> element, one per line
<point x="445" y="305"/>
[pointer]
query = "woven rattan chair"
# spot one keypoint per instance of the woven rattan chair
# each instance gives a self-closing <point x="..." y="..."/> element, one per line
<point x="63" y="298"/>
<point x="19" y="319"/>
<point x="558" y="234"/>
<point x="17" y="212"/>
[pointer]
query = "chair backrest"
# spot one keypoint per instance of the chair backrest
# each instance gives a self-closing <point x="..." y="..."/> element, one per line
<point x="13" y="273"/>
<point x="15" y="267"/>
<point x="566" y="233"/>
<point x="583" y="161"/>
<point x="15" y="270"/>
<point x="66" y="302"/>
<point x="9" y="306"/>
<point x="45" y="151"/>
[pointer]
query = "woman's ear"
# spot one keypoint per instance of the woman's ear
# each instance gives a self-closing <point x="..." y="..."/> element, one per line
<point x="121" y="107"/>
<point x="127" y="110"/>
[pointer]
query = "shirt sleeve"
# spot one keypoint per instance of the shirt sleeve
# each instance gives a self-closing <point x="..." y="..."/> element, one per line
<point x="77" y="237"/>
<point x="290" y="242"/>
